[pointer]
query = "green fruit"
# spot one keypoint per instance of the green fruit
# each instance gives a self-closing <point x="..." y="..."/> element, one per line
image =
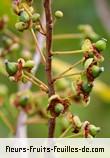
<point x="96" y="70"/>
<point x="37" y="27"/>
<point x="94" y="130"/>
<point x="35" y="17"/>
<point x="24" y="17"/>
<point x="59" y="108"/>
<point x="21" y="26"/>
<point x="101" y="45"/>
<point x="11" y="67"/>
<point x="58" y="14"/>
<point x="31" y="9"/>
<point x="29" y="64"/>
<point x="77" y="121"/>
<point x="24" y="101"/>
<point x="94" y="37"/>
<point x="87" y="87"/>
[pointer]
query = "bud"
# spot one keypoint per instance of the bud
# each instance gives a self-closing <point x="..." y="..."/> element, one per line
<point x="58" y="14"/>
<point x="12" y="79"/>
<point x="77" y="121"/>
<point x="31" y="9"/>
<point x="24" y="17"/>
<point x="21" y="26"/>
<point x="37" y="27"/>
<point x="35" y="17"/>
<point x="96" y="70"/>
<point x="93" y="36"/>
<point x="11" y="67"/>
<point x="59" y="108"/>
<point x="23" y="101"/>
<point x="101" y="45"/>
<point x="22" y="61"/>
<point x="94" y="130"/>
<point x="87" y="87"/>
<point x="29" y="64"/>
<point x="87" y="63"/>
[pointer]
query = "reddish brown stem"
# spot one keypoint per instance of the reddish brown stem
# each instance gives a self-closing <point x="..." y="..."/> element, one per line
<point x="49" y="29"/>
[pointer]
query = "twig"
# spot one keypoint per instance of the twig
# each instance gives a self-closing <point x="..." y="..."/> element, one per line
<point x="37" y="45"/>
<point x="68" y="52"/>
<point x="69" y="75"/>
<point x="66" y="131"/>
<point x="70" y="68"/>
<point x="67" y="36"/>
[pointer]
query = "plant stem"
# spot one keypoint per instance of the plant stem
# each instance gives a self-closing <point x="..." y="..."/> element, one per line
<point x="49" y="30"/>
<point x="35" y="83"/>
<point x="68" y="52"/>
<point x="36" y="41"/>
<point x="71" y="67"/>
<point x="27" y="10"/>
<point x="6" y="121"/>
<point x="31" y="80"/>
<point x="35" y="79"/>
<point x="66" y="131"/>
<point x="67" y="36"/>
<point x="69" y="75"/>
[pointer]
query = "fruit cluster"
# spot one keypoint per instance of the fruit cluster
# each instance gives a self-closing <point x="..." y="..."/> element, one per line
<point x="83" y="129"/>
<point x="92" y="59"/>
<point x="16" y="70"/>
<point x="27" y="17"/>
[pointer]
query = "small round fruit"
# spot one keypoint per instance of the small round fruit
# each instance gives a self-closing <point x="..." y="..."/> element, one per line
<point x="21" y="26"/>
<point x="31" y="9"/>
<point x="58" y="14"/>
<point x="94" y="37"/>
<point x="35" y="17"/>
<point x="59" y="108"/>
<point x="94" y="130"/>
<point x="87" y="87"/>
<point x="96" y="70"/>
<point x="23" y="101"/>
<point x="77" y="121"/>
<point x="87" y="63"/>
<point x="101" y="45"/>
<point x="29" y="64"/>
<point x="24" y="17"/>
<point x="11" y="67"/>
<point x="37" y="27"/>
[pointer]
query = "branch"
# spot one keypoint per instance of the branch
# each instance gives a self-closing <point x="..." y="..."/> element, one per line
<point x="49" y="29"/>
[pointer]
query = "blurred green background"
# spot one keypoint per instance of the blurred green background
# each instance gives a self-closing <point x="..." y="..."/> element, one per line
<point x="75" y="12"/>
